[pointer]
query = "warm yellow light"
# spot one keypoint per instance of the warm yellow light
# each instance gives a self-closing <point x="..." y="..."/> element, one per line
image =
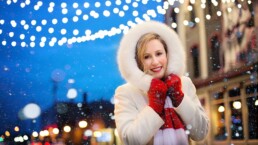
<point x="203" y="6"/>
<point x="239" y="6"/>
<point x="46" y="133"/>
<point x="7" y="133"/>
<point x="189" y="8"/>
<point x="173" y="25"/>
<point x="176" y="10"/>
<point x="35" y="134"/>
<point x="219" y="13"/>
<point x="16" y="128"/>
<point x="256" y="103"/>
<point x="197" y="20"/>
<point x="229" y="10"/>
<point x="41" y="133"/>
<point x="221" y="109"/>
<point x="83" y="124"/>
<point x="67" y="128"/>
<point x="185" y="22"/>
<point x="25" y="137"/>
<point x="55" y="130"/>
<point x="208" y="17"/>
<point x="97" y="134"/>
<point x="237" y="104"/>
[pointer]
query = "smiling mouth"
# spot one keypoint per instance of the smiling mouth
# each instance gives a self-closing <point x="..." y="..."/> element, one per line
<point x="156" y="69"/>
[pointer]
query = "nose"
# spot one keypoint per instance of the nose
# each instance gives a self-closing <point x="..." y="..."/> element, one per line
<point x="155" y="60"/>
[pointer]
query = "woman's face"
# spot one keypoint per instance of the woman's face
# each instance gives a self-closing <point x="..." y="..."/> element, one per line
<point x="154" y="59"/>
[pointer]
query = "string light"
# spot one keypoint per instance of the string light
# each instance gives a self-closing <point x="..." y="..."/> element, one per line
<point x="63" y="9"/>
<point x="197" y="20"/>
<point x="203" y="4"/>
<point x="173" y="25"/>
<point x="119" y="8"/>
<point x="219" y="13"/>
<point x="208" y="17"/>
<point x="221" y="109"/>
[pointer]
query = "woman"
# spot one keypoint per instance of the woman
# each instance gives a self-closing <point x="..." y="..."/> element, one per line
<point x="157" y="105"/>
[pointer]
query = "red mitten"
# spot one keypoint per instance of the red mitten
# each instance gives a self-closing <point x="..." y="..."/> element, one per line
<point x="157" y="95"/>
<point x="174" y="89"/>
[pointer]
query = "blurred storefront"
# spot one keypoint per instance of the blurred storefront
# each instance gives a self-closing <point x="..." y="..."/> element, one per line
<point x="80" y="123"/>
<point x="222" y="57"/>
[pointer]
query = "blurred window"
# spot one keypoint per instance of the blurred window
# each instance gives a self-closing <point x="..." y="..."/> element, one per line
<point x="220" y="132"/>
<point x="236" y="120"/>
<point x="195" y="56"/>
<point x="252" y="104"/>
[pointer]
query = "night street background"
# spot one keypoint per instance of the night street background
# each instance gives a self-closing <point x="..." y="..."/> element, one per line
<point x="37" y="67"/>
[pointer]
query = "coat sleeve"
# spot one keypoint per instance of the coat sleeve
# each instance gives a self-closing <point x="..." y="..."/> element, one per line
<point x="134" y="126"/>
<point x="192" y="112"/>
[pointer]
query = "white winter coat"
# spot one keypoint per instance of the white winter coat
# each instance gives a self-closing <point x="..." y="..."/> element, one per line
<point x="136" y="122"/>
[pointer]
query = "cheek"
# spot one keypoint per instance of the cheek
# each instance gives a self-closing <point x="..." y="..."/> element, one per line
<point x="146" y="64"/>
<point x="165" y="61"/>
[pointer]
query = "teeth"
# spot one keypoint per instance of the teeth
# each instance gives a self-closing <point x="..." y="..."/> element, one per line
<point x="156" y="69"/>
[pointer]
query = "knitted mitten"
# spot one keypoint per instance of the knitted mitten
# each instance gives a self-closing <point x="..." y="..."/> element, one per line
<point x="157" y="95"/>
<point x="174" y="89"/>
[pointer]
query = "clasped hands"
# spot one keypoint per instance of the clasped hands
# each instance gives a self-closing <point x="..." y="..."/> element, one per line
<point x="159" y="90"/>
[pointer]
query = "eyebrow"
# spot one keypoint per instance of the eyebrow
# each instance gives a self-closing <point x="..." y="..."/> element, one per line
<point x="155" y="51"/>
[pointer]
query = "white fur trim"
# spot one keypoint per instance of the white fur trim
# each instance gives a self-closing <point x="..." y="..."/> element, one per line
<point x="126" y="53"/>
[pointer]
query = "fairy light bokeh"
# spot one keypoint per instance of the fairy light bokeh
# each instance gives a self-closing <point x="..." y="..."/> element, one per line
<point x="42" y="24"/>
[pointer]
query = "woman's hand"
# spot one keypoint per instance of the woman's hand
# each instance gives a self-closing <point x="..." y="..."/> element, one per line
<point x="157" y="95"/>
<point x="174" y="86"/>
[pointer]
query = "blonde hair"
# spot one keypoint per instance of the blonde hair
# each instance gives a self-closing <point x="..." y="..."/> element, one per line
<point x="141" y="46"/>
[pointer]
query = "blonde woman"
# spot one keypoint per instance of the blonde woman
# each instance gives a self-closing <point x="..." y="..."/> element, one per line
<point x="157" y="104"/>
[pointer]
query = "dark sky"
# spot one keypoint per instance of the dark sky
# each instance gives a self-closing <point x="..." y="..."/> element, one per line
<point x="27" y="71"/>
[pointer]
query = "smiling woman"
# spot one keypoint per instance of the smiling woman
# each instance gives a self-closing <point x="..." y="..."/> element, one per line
<point x="151" y="55"/>
<point x="156" y="98"/>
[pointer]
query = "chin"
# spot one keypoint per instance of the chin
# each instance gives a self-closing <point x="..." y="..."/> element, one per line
<point x="158" y="76"/>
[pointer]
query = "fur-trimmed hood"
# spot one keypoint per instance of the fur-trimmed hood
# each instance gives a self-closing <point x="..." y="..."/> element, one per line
<point x="126" y="53"/>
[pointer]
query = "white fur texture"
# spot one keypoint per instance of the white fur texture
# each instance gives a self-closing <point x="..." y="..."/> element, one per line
<point x="126" y="54"/>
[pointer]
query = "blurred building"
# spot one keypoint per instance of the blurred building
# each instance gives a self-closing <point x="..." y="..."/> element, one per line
<point x="80" y="123"/>
<point x="220" y="38"/>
